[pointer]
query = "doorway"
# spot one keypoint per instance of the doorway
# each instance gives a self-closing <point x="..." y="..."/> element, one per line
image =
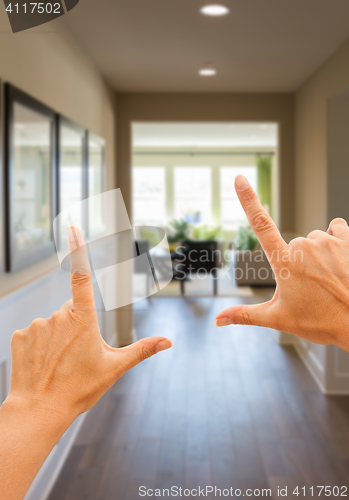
<point x="183" y="181"/>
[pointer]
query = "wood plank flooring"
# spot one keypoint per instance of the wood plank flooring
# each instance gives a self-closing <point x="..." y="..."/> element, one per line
<point x="225" y="407"/>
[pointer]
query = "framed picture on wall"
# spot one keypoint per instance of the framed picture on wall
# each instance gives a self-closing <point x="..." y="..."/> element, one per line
<point x="72" y="176"/>
<point x="95" y="185"/>
<point x="30" y="176"/>
<point x="2" y="248"/>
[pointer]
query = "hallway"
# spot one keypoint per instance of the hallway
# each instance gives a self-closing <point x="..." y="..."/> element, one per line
<point x="227" y="407"/>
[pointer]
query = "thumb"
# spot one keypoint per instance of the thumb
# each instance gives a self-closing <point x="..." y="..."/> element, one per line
<point x="132" y="355"/>
<point x="258" y="315"/>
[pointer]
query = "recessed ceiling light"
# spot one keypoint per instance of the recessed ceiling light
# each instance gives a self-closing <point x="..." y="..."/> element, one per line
<point x="215" y="10"/>
<point x="207" y="72"/>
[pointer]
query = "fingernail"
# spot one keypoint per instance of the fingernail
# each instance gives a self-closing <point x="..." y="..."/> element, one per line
<point x="225" y="321"/>
<point x="163" y="345"/>
<point x="241" y="182"/>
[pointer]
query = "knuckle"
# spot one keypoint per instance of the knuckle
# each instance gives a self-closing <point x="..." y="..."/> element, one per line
<point x="77" y="320"/>
<point x="339" y="220"/>
<point x="69" y="304"/>
<point x="55" y="318"/>
<point x="80" y="278"/>
<point x="260" y="222"/>
<point x="17" y="337"/>
<point x="145" y="352"/>
<point x="245" y="318"/>
<point x="324" y="243"/>
<point x="316" y="233"/>
<point x="247" y="195"/>
<point x="297" y="241"/>
<point x="38" y="324"/>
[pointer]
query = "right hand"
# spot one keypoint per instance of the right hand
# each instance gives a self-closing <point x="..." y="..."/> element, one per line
<point x="61" y="366"/>
<point x="312" y="274"/>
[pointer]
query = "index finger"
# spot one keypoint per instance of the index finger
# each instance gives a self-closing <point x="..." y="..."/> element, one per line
<point x="81" y="278"/>
<point x="260" y="221"/>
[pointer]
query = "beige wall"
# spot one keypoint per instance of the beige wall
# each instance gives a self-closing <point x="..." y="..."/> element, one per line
<point x="47" y="63"/>
<point x="211" y="107"/>
<point x="328" y="364"/>
<point x="311" y="140"/>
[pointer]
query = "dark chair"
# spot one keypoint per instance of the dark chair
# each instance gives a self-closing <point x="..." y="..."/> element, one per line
<point x="193" y="257"/>
<point x="142" y="246"/>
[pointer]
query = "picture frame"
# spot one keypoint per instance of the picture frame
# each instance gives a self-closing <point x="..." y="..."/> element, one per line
<point x="95" y="184"/>
<point x="30" y="179"/>
<point x="2" y="228"/>
<point x="71" y="175"/>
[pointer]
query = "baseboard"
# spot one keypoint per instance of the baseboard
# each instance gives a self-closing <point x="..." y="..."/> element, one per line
<point x="344" y="392"/>
<point x="310" y="367"/>
<point x="309" y="360"/>
<point x="285" y="339"/>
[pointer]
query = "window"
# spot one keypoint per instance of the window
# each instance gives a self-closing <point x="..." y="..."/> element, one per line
<point x="96" y="209"/>
<point x="192" y="193"/>
<point x="149" y="195"/>
<point x="71" y="177"/>
<point x="232" y="214"/>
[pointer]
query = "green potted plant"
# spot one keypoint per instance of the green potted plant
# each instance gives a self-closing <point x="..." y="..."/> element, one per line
<point x="208" y="233"/>
<point x="246" y="239"/>
<point x="177" y="231"/>
<point x="250" y="265"/>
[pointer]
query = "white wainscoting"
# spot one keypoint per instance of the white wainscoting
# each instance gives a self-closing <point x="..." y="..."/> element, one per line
<point x="328" y="364"/>
<point x="337" y="371"/>
<point x="314" y="358"/>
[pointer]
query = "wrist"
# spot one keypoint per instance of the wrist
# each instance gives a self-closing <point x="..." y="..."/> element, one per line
<point x="28" y="433"/>
<point x="42" y="419"/>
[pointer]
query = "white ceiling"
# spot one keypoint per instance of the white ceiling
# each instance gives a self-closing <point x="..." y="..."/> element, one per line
<point x="159" y="45"/>
<point x="204" y="135"/>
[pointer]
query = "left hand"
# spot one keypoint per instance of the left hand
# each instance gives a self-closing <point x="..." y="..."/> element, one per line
<point x="61" y="365"/>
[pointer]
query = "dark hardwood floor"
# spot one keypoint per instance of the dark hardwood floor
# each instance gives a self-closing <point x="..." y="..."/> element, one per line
<point x="225" y="407"/>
